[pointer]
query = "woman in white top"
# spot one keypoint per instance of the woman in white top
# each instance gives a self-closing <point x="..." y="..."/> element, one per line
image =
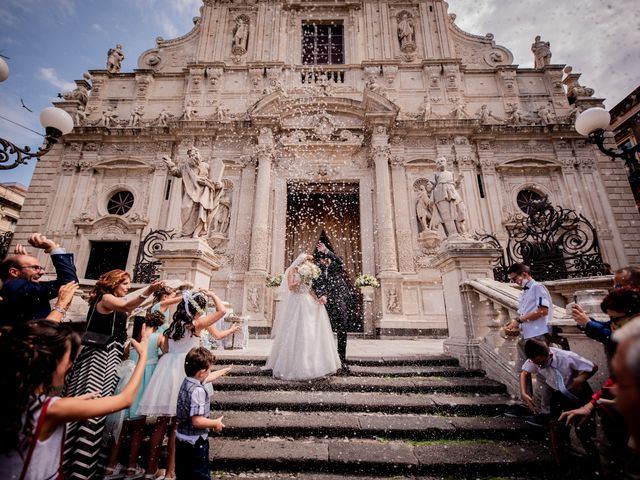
<point x="41" y="353"/>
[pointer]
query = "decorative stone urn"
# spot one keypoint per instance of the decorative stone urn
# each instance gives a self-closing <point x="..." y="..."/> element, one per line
<point x="367" y="293"/>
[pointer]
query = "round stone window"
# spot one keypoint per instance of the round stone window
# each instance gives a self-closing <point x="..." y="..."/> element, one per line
<point x="120" y="203"/>
<point x="528" y="199"/>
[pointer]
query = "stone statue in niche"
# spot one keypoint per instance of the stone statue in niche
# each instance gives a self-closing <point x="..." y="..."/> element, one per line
<point x="221" y="220"/>
<point x="240" y="36"/>
<point x="406" y="32"/>
<point x="115" y="56"/>
<point x="393" y="303"/>
<point x="449" y="205"/>
<point x="200" y="195"/>
<point x="425" y="208"/>
<point x="541" y="53"/>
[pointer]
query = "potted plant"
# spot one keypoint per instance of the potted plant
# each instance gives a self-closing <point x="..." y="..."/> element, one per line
<point x="366" y="283"/>
<point x="275" y="281"/>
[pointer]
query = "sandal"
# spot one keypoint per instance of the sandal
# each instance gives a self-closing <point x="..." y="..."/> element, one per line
<point x="133" y="473"/>
<point x="159" y="475"/>
<point x="113" y="473"/>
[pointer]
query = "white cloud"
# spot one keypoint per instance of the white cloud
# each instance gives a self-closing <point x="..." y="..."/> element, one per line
<point x="51" y="76"/>
<point x="97" y="27"/>
<point x="186" y="7"/>
<point x="169" y="30"/>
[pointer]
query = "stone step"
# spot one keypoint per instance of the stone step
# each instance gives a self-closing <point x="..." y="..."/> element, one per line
<point x="358" y="425"/>
<point x="372" y="370"/>
<point x="364" y="384"/>
<point x="433" y="404"/>
<point x="370" y="456"/>
<point x="227" y="357"/>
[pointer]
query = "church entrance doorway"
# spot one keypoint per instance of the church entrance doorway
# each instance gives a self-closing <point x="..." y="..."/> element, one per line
<point x="327" y="212"/>
<point x="106" y="256"/>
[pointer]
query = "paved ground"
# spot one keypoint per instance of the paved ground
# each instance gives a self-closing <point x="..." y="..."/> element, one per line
<point x="356" y="349"/>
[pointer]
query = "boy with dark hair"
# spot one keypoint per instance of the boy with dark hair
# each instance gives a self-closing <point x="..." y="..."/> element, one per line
<point x="193" y="422"/>
<point x="566" y="374"/>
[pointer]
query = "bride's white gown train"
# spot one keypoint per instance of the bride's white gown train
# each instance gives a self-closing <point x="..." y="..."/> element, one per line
<point x="303" y="347"/>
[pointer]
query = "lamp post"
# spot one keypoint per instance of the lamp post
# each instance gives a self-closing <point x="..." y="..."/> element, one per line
<point x="56" y="123"/>
<point x="592" y="123"/>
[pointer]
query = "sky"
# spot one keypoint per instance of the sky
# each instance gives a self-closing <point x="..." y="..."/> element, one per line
<point x="53" y="42"/>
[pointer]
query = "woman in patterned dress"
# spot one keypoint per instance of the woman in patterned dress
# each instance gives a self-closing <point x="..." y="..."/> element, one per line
<point x="95" y="368"/>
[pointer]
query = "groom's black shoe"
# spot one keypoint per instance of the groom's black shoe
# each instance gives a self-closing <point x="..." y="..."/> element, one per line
<point x="345" y="370"/>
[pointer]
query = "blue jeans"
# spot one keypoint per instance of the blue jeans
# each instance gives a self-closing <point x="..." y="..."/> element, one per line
<point x="192" y="461"/>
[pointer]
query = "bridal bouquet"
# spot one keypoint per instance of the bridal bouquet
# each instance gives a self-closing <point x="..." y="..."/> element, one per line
<point x="308" y="272"/>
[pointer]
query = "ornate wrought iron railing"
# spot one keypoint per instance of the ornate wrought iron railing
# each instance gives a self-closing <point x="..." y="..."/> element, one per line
<point x="146" y="267"/>
<point x="5" y="241"/>
<point x="555" y="242"/>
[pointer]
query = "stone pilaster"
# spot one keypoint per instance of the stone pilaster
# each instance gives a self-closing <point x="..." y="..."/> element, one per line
<point x="380" y="152"/>
<point x="403" y="212"/>
<point x="260" y="229"/>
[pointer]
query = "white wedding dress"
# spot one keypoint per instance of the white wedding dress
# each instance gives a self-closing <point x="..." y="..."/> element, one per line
<point x="303" y="347"/>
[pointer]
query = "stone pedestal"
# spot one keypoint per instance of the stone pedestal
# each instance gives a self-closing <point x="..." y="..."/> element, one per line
<point x="188" y="259"/>
<point x="369" y="329"/>
<point x="461" y="259"/>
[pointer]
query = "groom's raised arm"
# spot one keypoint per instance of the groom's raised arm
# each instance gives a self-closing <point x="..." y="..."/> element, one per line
<point x="334" y="258"/>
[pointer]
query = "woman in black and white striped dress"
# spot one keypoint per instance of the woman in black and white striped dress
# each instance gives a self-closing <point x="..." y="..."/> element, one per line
<point x="95" y="369"/>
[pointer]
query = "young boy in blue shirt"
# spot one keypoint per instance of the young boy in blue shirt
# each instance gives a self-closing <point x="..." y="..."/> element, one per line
<point x="192" y="416"/>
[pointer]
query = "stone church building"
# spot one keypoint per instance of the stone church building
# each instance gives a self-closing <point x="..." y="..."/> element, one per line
<point x="322" y="120"/>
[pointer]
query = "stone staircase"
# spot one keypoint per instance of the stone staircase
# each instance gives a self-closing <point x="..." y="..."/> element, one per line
<point x="422" y="417"/>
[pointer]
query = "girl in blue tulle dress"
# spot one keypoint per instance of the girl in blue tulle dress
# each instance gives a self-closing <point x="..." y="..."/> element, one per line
<point x="129" y="422"/>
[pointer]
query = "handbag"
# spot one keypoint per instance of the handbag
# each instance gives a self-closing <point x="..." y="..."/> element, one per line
<point x="95" y="339"/>
<point x="32" y="445"/>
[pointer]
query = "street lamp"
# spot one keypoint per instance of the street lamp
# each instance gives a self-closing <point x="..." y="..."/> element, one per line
<point x="592" y="123"/>
<point x="55" y="121"/>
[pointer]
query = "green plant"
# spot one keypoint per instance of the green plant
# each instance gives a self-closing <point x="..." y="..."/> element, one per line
<point x="366" y="280"/>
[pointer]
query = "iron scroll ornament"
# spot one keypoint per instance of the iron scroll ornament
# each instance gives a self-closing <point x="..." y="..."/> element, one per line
<point x="146" y="268"/>
<point x="5" y="241"/>
<point x="555" y="242"/>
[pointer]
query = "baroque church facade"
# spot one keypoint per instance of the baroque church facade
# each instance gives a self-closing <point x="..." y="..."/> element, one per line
<point x="325" y="120"/>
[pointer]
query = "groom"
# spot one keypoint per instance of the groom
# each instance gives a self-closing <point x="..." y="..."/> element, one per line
<point x="332" y="289"/>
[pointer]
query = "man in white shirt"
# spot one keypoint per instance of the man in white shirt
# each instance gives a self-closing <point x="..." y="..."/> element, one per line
<point x="535" y="308"/>
<point x="565" y="373"/>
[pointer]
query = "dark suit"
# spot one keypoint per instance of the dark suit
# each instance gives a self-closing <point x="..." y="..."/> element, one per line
<point x="24" y="300"/>
<point x="332" y="284"/>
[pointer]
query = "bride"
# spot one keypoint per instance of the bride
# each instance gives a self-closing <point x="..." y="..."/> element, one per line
<point x="303" y="346"/>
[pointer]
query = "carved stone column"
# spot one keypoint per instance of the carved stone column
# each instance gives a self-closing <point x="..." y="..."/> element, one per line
<point x="254" y="286"/>
<point x="380" y="152"/>
<point x="403" y="212"/>
<point x="260" y="230"/>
